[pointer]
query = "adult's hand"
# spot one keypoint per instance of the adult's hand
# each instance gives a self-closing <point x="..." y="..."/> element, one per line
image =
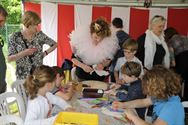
<point x="99" y="66"/>
<point x="87" y="68"/>
<point x="29" y="51"/>
<point x="26" y="52"/>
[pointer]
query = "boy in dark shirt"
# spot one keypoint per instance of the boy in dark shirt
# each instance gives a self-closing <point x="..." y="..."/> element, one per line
<point x="130" y="73"/>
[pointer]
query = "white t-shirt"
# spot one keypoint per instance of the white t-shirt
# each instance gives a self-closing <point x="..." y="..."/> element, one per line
<point x="121" y="61"/>
<point x="38" y="108"/>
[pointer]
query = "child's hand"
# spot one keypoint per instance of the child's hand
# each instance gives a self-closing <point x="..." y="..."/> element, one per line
<point x="70" y="109"/>
<point x="115" y="86"/>
<point x="110" y="92"/>
<point x="129" y="114"/>
<point x="116" y="105"/>
<point x="70" y="88"/>
<point x="67" y="88"/>
<point x="120" y="81"/>
<point x="68" y="85"/>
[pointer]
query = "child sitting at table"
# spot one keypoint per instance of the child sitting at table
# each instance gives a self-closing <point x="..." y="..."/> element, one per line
<point x="38" y="86"/>
<point x="130" y="73"/>
<point x="162" y="86"/>
<point x="130" y="47"/>
<point x="65" y="91"/>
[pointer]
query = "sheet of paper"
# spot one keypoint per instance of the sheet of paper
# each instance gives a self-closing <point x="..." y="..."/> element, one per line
<point x="100" y="72"/>
<point x="108" y="111"/>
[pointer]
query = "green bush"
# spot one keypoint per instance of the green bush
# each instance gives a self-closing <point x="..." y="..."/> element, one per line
<point x="5" y="32"/>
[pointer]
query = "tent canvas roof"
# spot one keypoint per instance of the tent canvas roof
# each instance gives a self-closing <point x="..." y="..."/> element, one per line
<point x="161" y="3"/>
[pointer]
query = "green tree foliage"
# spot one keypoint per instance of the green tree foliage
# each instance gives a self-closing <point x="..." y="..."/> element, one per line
<point x="14" y="10"/>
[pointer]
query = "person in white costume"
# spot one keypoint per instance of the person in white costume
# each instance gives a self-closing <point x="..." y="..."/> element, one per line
<point x="93" y="45"/>
<point x="40" y="101"/>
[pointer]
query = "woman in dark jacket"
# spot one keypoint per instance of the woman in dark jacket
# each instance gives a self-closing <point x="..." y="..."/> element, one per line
<point x="152" y="48"/>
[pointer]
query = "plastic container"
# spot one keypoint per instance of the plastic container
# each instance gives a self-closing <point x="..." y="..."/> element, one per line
<point x="75" y="118"/>
<point x="92" y="93"/>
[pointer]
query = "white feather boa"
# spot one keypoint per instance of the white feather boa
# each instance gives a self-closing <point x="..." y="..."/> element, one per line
<point x="90" y="54"/>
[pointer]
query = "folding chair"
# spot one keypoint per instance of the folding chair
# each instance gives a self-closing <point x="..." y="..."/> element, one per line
<point x="148" y="114"/>
<point x="5" y="119"/>
<point x="185" y="105"/>
<point x="7" y="99"/>
<point x="17" y="86"/>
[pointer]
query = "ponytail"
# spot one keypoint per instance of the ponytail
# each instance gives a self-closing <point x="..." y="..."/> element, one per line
<point x="41" y="75"/>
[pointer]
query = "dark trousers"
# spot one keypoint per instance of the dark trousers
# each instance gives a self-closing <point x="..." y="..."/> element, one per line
<point x="182" y="69"/>
<point x="81" y="74"/>
<point x="2" y="72"/>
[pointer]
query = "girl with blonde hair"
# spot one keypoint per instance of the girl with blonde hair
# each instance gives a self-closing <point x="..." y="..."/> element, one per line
<point x="38" y="86"/>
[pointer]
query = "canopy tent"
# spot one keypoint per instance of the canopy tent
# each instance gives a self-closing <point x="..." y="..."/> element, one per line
<point x="59" y="19"/>
<point x="155" y="3"/>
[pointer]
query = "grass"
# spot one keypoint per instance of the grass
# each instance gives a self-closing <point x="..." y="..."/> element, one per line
<point x="11" y="67"/>
<point x="5" y="32"/>
<point x="10" y="74"/>
<point x="10" y="77"/>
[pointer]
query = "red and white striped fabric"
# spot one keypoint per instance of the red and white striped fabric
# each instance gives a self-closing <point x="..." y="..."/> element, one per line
<point x="58" y="20"/>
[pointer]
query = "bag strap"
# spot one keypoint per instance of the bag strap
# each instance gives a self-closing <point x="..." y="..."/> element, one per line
<point x="26" y="46"/>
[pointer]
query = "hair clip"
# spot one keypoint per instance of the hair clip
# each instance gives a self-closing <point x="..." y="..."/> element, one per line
<point x="34" y="77"/>
<point x="36" y="81"/>
<point x="97" y="26"/>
